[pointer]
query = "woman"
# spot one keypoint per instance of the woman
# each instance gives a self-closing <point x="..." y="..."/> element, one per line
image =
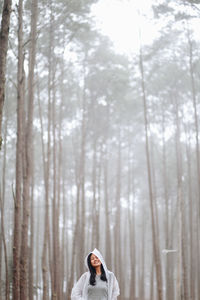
<point x="98" y="283"/>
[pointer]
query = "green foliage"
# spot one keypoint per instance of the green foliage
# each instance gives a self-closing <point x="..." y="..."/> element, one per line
<point x="193" y="1"/>
<point x="161" y="9"/>
<point x="178" y="9"/>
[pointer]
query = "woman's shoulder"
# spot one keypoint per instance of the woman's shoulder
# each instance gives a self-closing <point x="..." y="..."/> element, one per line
<point x="84" y="275"/>
<point x="111" y="274"/>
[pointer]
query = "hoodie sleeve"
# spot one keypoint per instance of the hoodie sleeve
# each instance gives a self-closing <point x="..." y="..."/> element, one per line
<point x="77" y="291"/>
<point x="115" y="290"/>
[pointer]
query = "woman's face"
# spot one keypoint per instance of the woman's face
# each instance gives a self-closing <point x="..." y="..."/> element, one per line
<point x="95" y="262"/>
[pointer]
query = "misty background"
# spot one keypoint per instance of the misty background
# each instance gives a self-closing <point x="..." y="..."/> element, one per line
<point x="100" y="147"/>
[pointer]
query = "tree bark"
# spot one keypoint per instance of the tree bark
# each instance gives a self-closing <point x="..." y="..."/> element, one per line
<point x="82" y="173"/>
<point x="117" y="228"/>
<point x="196" y="123"/>
<point x="152" y="204"/>
<point x="28" y="157"/>
<point x="19" y="171"/>
<point x="46" y="171"/>
<point x="31" y="248"/>
<point x="192" y="219"/>
<point x="55" y="205"/>
<point x="2" y="202"/>
<point x="131" y="220"/>
<point x="4" y="33"/>
<point x="106" y="192"/>
<point x="94" y="212"/>
<point x="142" y="247"/>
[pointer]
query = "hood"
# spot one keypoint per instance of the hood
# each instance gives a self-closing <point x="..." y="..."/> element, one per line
<point x="98" y="254"/>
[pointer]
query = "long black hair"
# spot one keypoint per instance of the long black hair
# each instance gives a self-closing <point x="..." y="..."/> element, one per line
<point x="93" y="271"/>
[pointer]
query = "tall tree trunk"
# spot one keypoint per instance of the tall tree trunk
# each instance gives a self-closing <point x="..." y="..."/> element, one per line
<point x="152" y="204"/>
<point x="46" y="170"/>
<point x="37" y="251"/>
<point x="131" y="220"/>
<point x="18" y="192"/>
<point x="98" y="208"/>
<point x="61" y="189"/>
<point x="4" y="33"/>
<point x="2" y="202"/>
<point x="106" y="197"/>
<point x="179" y="202"/>
<point x="142" y="247"/>
<point x="182" y="280"/>
<point x="76" y="231"/>
<point x="168" y="279"/>
<point x="107" y="214"/>
<point x="192" y="217"/>
<point x="82" y="176"/>
<point x="28" y="157"/>
<point x="196" y="123"/>
<point x="194" y="99"/>
<point x="152" y="290"/>
<point x="117" y="233"/>
<point x="94" y="211"/>
<point x="31" y="248"/>
<point x="55" y="205"/>
<point x="60" y="283"/>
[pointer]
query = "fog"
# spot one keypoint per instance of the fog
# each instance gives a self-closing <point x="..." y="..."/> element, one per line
<point x="100" y="149"/>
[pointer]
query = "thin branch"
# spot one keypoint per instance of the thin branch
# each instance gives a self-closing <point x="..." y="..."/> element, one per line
<point x="10" y="79"/>
<point x="14" y="197"/>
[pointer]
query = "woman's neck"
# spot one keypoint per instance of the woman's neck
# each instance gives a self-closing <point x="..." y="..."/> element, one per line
<point x="98" y="270"/>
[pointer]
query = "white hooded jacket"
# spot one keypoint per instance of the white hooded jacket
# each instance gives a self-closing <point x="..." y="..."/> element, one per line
<point x="79" y="291"/>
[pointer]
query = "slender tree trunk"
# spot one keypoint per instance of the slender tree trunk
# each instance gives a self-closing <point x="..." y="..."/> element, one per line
<point x="46" y="255"/>
<point x="107" y="199"/>
<point x="31" y="248"/>
<point x="82" y="177"/>
<point x="194" y="98"/>
<point x="107" y="212"/>
<point x="82" y="228"/>
<point x="99" y="176"/>
<point x="61" y="189"/>
<point x="18" y="192"/>
<point x="117" y="233"/>
<point x="94" y="211"/>
<point x="76" y="231"/>
<point x="56" y="207"/>
<point x="131" y="221"/>
<point x="155" y="198"/>
<point x="179" y="201"/>
<point x="2" y="202"/>
<point x="28" y="157"/>
<point x="46" y="170"/>
<point x="60" y="249"/>
<point x="37" y="251"/>
<point x="196" y="120"/>
<point x="65" y="243"/>
<point x="168" y="279"/>
<point x="152" y="204"/>
<point x="192" y="268"/>
<point x="4" y="33"/>
<point x="142" y="246"/>
<point x="74" y="246"/>
<point x="152" y="280"/>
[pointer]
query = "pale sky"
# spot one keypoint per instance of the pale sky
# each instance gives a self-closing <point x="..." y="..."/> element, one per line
<point x="122" y="20"/>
